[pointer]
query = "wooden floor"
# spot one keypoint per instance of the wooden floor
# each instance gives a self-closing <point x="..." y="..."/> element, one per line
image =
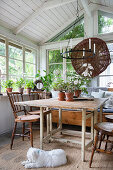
<point x="11" y="159"/>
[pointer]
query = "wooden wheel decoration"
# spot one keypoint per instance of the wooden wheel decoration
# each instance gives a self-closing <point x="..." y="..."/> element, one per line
<point x="91" y="65"/>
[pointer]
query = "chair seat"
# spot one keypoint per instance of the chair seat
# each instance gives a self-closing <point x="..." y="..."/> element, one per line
<point x="37" y="112"/>
<point x="27" y="118"/>
<point x="109" y="117"/>
<point x="105" y="126"/>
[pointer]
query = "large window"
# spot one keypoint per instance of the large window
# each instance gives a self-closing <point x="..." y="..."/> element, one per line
<point x="105" y="22"/>
<point x="106" y="77"/>
<point x="55" y="62"/>
<point x="19" y="62"/>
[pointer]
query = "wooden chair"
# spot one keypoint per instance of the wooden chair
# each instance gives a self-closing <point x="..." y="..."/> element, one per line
<point x="104" y="131"/>
<point x="37" y="95"/>
<point x="23" y="118"/>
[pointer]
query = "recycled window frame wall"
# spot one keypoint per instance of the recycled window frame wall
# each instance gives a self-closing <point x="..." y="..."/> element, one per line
<point x="6" y="75"/>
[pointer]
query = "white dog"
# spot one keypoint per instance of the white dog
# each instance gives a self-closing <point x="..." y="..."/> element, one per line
<point x="38" y="158"/>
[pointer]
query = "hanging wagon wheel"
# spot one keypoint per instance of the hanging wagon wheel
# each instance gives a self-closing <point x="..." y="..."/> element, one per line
<point x="91" y="65"/>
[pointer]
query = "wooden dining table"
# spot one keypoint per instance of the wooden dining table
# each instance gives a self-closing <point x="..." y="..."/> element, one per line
<point x="89" y="108"/>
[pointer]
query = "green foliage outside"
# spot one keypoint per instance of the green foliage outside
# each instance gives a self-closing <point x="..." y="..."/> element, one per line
<point x="104" y="22"/>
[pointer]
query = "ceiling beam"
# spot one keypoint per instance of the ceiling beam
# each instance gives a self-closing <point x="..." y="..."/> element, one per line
<point x="86" y="7"/>
<point x="45" y="6"/>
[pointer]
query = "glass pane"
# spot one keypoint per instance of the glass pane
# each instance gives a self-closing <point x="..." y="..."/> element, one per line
<point x="3" y="79"/>
<point x="2" y="49"/>
<point x="106" y="81"/>
<point x="105" y="24"/>
<point x="30" y="70"/>
<point x="56" y="69"/>
<point x="30" y="56"/>
<point x="55" y="57"/>
<point x="15" y="53"/>
<point x="3" y="65"/>
<point x="108" y="71"/>
<point x="69" y="67"/>
<point x="15" y="67"/>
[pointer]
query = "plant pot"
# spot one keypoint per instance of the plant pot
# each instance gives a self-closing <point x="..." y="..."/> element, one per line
<point x="61" y="96"/>
<point x="9" y="89"/>
<point x="77" y="93"/>
<point x="28" y="90"/>
<point x="21" y="90"/>
<point x="69" y="96"/>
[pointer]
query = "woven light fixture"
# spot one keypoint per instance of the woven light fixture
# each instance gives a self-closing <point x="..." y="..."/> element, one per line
<point x="90" y="64"/>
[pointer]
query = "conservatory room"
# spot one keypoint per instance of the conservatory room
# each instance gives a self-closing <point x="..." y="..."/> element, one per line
<point x="56" y="84"/>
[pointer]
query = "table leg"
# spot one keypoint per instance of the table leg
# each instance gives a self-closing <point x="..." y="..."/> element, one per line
<point x="48" y="124"/>
<point x="92" y="126"/>
<point x="41" y="127"/>
<point x="101" y="110"/>
<point x="95" y="120"/>
<point x="83" y="134"/>
<point x="60" y="118"/>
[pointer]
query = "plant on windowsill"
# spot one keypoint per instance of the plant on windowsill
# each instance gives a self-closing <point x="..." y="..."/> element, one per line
<point x="20" y="84"/>
<point x="29" y="84"/>
<point x="8" y="85"/>
<point x="59" y="85"/>
<point x="46" y="81"/>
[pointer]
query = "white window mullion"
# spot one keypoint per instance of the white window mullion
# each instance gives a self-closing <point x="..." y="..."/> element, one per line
<point x="64" y="67"/>
<point x="23" y="61"/>
<point x="7" y="60"/>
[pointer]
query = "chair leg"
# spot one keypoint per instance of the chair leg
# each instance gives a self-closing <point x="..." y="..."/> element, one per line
<point x="106" y="142"/>
<point x="13" y="135"/>
<point x="101" y="139"/>
<point x="31" y="134"/>
<point x="93" y="150"/>
<point x="23" y="131"/>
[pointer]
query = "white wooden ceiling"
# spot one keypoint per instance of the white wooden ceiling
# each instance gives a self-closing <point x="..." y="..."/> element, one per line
<point x="39" y="20"/>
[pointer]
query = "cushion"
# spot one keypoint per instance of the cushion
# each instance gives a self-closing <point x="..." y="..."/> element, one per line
<point x="99" y="94"/>
<point x="109" y="102"/>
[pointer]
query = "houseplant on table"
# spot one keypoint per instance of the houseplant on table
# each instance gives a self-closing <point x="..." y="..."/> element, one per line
<point x="80" y="83"/>
<point x="20" y="83"/>
<point x="59" y="85"/>
<point x="29" y="84"/>
<point x="69" y="88"/>
<point x="8" y="85"/>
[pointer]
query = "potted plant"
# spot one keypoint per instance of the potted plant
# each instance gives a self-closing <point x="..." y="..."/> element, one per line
<point x="69" y="87"/>
<point x="80" y="84"/>
<point x="59" y="86"/>
<point x="19" y="83"/>
<point x="29" y="84"/>
<point x="9" y="85"/>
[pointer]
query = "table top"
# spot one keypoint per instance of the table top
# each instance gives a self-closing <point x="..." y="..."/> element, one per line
<point x="55" y="103"/>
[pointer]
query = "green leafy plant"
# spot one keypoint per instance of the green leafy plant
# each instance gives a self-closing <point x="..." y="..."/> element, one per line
<point x="20" y="82"/>
<point x="8" y="84"/>
<point x="46" y="80"/>
<point x="29" y="84"/>
<point x="69" y="87"/>
<point x="79" y="82"/>
<point x="58" y="85"/>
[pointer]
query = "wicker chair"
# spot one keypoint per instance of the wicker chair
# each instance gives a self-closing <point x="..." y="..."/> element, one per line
<point x="23" y="118"/>
<point x="104" y="130"/>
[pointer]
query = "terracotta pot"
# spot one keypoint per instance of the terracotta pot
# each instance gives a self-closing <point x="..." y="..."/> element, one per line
<point x="69" y="96"/>
<point x="77" y="93"/>
<point x="28" y="90"/>
<point x="21" y="90"/>
<point x="9" y="89"/>
<point x="61" y="96"/>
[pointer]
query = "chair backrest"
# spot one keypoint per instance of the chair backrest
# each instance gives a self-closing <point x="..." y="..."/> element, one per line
<point x="16" y="97"/>
<point x="37" y="95"/>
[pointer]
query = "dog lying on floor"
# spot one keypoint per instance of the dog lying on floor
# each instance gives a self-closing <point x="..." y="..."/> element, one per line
<point x="38" y="158"/>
